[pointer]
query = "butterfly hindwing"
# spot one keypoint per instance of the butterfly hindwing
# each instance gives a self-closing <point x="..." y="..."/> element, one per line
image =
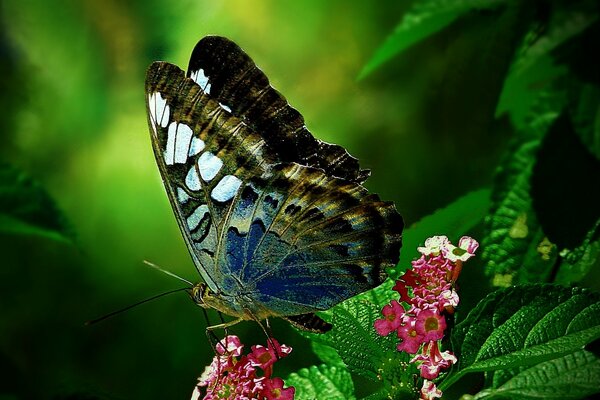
<point x="235" y="81"/>
<point x="310" y="241"/>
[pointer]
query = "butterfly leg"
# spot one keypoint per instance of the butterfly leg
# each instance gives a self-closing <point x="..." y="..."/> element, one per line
<point x="226" y="329"/>
<point x="214" y="339"/>
<point x="224" y="325"/>
<point x="267" y="331"/>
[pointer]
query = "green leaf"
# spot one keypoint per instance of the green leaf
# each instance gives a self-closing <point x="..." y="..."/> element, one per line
<point x="358" y="345"/>
<point x="424" y="19"/>
<point x="524" y="326"/>
<point x="524" y="88"/>
<point x="573" y="376"/>
<point x="563" y="26"/>
<point x="322" y="382"/>
<point x="355" y="339"/>
<point x="514" y="248"/>
<point x="27" y="209"/>
<point x="454" y="220"/>
<point x="327" y="354"/>
<point x="534" y="68"/>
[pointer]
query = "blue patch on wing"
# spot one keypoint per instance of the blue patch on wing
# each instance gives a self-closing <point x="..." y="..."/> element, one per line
<point x="290" y="280"/>
<point x="299" y="287"/>
<point x="235" y="247"/>
<point x="241" y="249"/>
<point x="257" y="232"/>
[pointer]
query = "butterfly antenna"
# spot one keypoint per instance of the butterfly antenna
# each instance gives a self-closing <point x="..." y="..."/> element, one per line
<point x="112" y="314"/>
<point x="156" y="267"/>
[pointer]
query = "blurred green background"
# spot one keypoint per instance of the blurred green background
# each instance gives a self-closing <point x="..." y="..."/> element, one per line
<point x="73" y="118"/>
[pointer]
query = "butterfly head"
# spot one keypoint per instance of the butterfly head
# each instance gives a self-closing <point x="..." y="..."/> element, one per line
<point x="199" y="293"/>
<point x="204" y="297"/>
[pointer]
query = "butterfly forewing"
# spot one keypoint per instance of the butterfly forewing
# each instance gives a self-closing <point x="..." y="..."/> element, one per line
<point x="203" y="153"/>
<point x="236" y="82"/>
<point x="275" y="220"/>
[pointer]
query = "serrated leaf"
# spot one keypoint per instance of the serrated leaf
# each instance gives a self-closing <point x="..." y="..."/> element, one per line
<point x="362" y="350"/>
<point x="573" y="376"/>
<point x="514" y="242"/>
<point x="355" y="339"/>
<point x="322" y="382"/>
<point x="454" y="220"/>
<point x="424" y="19"/>
<point x="524" y="326"/>
<point x="27" y="209"/>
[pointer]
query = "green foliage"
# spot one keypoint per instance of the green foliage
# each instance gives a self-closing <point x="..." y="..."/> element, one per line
<point x="512" y="248"/>
<point x="525" y="330"/>
<point x="525" y="325"/>
<point x="424" y="19"/>
<point x="355" y="340"/>
<point x="27" y="209"/>
<point x="322" y="382"/>
<point x="572" y="376"/>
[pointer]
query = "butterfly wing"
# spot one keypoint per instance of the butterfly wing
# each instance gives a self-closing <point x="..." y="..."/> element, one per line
<point x="276" y="221"/>
<point x="203" y="154"/>
<point x="235" y="81"/>
<point x="301" y="241"/>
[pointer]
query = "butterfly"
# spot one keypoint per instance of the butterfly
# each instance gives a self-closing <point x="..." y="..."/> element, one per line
<point x="276" y="221"/>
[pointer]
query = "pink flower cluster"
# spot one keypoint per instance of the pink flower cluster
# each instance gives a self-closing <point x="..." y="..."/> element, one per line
<point x="427" y="292"/>
<point x="232" y="375"/>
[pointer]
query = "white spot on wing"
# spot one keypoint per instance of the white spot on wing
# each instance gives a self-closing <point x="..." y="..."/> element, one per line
<point x="192" y="180"/>
<point x="201" y="79"/>
<point x="152" y="107"/>
<point x="159" y="110"/>
<point x="226" y="188"/>
<point x="194" y="220"/>
<point x="163" y="110"/>
<point x="209" y="165"/>
<point x="182" y="143"/>
<point x="225" y="107"/>
<point x="182" y="196"/>
<point x="196" y="147"/>
<point x="170" y="149"/>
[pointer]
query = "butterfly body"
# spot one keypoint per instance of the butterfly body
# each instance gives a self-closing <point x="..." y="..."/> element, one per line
<point x="276" y="221"/>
